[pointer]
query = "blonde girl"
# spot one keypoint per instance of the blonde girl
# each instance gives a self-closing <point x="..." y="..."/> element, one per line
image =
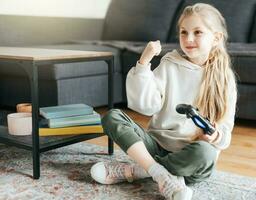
<point x="173" y="151"/>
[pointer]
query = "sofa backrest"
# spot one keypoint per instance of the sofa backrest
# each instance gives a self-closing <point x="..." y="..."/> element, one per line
<point x="238" y="14"/>
<point x="144" y="20"/>
<point x="139" y="20"/>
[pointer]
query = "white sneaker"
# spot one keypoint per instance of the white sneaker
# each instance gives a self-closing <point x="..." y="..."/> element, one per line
<point x="184" y="194"/>
<point x="112" y="172"/>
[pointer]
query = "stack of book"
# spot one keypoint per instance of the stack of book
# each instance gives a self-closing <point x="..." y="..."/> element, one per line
<point x="69" y="119"/>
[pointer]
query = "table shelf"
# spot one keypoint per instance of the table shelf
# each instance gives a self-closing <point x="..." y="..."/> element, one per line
<point x="46" y="143"/>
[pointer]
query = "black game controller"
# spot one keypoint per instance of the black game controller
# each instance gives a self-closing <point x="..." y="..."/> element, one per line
<point x="199" y="121"/>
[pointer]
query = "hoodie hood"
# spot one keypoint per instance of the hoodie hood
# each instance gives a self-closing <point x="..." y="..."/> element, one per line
<point x="177" y="57"/>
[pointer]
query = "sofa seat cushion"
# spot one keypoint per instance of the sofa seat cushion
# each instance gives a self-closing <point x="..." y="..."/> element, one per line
<point x="139" y="20"/>
<point x="239" y="17"/>
<point x="68" y="70"/>
<point x="246" y="101"/>
<point x="244" y="61"/>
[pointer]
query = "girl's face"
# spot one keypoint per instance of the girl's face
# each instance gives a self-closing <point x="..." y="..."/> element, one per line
<point x="196" y="40"/>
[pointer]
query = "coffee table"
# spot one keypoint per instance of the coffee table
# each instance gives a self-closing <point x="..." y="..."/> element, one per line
<point x="30" y="59"/>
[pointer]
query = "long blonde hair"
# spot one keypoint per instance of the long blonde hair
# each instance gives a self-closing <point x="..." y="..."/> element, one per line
<point x="218" y="75"/>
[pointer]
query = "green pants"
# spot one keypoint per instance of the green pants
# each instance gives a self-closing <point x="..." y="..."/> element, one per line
<point x="194" y="162"/>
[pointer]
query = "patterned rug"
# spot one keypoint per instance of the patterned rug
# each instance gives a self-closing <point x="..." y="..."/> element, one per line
<point x="65" y="175"/>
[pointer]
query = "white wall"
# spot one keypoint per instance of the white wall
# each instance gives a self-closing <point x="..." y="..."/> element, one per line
<point x="55" y="8"/>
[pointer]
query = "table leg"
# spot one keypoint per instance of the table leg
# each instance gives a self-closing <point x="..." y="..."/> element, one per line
<point x="110" y="146"/>
<point x="110" y="63"/>
<point x="32" y="71"/>
<point x="35" y="113"/>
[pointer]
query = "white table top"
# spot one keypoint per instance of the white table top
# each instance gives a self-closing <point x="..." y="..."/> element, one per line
<point x="38" y="54"/>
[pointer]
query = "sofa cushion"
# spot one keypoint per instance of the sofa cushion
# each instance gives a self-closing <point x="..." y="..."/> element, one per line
<point x="68" y="70"/>
<point x="246" y="101"/>
<point x="139" y="20"/>
<point x="238" y="15"/>
<point x="243" y="60"/>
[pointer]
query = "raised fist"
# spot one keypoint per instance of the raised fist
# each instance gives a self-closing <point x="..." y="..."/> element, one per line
<point x="152" y="49"/>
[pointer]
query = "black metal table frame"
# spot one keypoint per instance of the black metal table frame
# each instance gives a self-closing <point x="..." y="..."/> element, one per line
<point x="31" y="68"/>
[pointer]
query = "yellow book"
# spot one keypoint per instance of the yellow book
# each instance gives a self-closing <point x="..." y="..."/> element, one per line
<point x="70" y="130"/>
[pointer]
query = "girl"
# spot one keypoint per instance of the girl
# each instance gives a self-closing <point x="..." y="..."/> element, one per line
<point x="174" y="152"/>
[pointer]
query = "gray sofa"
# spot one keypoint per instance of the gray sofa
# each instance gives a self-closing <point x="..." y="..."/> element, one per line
<point x="128" y="26"/>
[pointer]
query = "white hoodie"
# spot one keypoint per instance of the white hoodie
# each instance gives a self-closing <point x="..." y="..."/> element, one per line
<point x="158" y="92"/>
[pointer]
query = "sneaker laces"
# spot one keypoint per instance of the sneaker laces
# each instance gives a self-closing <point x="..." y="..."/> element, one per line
<point x="171" y="184"/>
<point x="119" y="171"/>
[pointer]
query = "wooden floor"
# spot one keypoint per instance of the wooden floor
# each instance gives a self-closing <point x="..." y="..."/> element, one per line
<point x="239" y="158"/>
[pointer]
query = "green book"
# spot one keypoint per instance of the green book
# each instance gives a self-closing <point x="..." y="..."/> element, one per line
<point x="68" y="110"/>
<point x="81" y="120"/>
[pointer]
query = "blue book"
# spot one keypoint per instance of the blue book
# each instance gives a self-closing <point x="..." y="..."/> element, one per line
<point x="81" y="120"/>
<point x="68" y="110"/>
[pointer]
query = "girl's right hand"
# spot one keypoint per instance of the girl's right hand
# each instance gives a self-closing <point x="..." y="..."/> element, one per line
<point x="152" y="49"/>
